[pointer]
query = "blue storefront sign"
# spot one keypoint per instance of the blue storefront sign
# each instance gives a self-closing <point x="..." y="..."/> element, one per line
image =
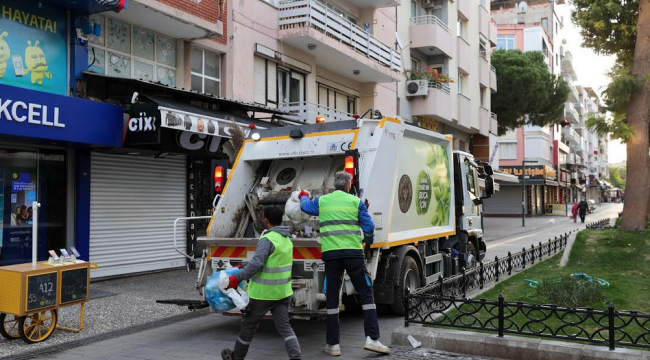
<point x="33" y="50"/>
<point x="47" y="116"/>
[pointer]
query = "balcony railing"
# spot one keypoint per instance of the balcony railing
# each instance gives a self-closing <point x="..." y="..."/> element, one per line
<point x="314" y="14"/>
<point x="442" y="86"/>
<point x="430" y="20"/>
<point x="307" y="112"/>
<point x="572" y="113"/>
<point x="485" y="55"/>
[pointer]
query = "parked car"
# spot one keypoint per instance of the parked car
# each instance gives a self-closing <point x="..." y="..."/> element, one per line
<point x="592" y="205"/>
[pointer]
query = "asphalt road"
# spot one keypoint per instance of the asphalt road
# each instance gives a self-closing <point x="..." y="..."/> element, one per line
<point x="205" y="336"/>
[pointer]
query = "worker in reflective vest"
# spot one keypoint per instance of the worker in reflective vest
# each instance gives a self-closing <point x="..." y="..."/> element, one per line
<point x="342" y="217"/>
<point x="269" y="288"/>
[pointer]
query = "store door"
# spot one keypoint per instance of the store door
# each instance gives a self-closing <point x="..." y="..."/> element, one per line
<point x="28" y="175"/>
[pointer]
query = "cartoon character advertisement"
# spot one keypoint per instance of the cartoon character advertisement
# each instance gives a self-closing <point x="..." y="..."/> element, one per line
<point x="33" y="46"/>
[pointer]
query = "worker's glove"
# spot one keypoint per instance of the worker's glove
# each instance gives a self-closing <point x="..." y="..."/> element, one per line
<point x="303" y="193"/>
<point x="239" y="266"/>
<point x="232" y="282"/>
<point x="368" y="239"/>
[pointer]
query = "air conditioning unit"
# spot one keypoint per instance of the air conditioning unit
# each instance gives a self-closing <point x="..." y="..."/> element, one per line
<point x="417" y="88"/>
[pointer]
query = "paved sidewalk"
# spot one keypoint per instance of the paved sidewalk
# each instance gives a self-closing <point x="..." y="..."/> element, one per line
<point x="204" y="337"/>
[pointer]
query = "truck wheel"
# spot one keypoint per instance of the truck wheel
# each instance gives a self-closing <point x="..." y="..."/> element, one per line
<point x="409" y="277"/>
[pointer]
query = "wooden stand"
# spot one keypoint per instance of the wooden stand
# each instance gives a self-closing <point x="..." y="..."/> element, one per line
<point x="32" y="295"/>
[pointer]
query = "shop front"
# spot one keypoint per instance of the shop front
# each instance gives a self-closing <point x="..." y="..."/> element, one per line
<point x="541" y="190"/>
<point x="178" y="147"/>
<point x="43" y="143"/>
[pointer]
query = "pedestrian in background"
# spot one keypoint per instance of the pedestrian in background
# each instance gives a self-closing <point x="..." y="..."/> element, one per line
<point x="342" y="217"/>
<point x="574" y="212"/>
<point x="583" y="206"/>
<point x="269" y="288"/>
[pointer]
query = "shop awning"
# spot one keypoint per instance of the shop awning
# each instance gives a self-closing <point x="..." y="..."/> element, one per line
<point x="166" y="125"/>
<point x="551" y="183"/>
<point x="503" y="177"/>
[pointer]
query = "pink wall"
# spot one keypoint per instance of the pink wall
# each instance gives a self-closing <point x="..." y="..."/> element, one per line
<point x="516" y="30"/>
<point x="520" y="150"/>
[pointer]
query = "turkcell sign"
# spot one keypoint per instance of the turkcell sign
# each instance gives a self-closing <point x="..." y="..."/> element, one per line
<point x="41" y="115"/>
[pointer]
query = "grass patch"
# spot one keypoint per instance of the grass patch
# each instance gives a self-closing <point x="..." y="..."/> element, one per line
<point x="620" y="220"/>
<point x="621" y="258"/>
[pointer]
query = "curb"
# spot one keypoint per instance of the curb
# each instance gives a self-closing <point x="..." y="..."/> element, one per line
<point x="107" y="336"/>
<point x="509" y="347"/>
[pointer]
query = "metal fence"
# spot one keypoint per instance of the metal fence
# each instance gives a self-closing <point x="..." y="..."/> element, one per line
<point x="484" y="273"/>
<point x="444" y="304"/>
<point x="600" y="225"/>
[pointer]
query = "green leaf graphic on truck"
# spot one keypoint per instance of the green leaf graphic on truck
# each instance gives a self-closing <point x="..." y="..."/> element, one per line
<point x="439" y="189"/>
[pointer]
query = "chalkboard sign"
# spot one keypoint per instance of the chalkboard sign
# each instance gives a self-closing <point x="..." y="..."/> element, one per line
<point x="74" y="285"/>
<point x="41" y="291"/>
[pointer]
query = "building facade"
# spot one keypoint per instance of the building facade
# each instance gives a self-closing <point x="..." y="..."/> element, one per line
<point x="560" y="151"/>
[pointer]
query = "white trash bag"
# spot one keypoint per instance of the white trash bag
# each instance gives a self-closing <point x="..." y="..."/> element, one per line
<point x="238" y="296"/>
<point x="293" y="211"/>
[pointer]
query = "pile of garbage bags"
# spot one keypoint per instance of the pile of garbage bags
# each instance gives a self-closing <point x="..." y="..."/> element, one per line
<point x="222" y="299"/>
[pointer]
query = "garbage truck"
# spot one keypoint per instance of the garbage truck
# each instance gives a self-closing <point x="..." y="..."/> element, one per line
<point x="424" y="198"/>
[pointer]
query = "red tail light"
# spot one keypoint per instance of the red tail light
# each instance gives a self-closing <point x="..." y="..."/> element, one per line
<point x="349" y="166"/>
<point x="218" y="179"/>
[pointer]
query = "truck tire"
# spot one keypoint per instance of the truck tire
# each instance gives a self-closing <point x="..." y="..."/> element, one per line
<point x="409" y="277"/>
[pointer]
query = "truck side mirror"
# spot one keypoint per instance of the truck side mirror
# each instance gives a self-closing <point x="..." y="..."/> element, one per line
<point x="477" y="201"/>
<point x="489" y="187"/>
<point x="488" y="169"/>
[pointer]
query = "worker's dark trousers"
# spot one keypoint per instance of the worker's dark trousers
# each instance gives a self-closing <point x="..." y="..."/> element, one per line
<point x="356" y="269"/>
<point x="280" y="311"/>
<point x="583" y="214"/>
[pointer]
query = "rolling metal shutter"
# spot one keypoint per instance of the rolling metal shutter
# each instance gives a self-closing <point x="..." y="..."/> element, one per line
<point x="507" y="201"/>
<point x="259" y="71"/>
<point x="133" y="204"/>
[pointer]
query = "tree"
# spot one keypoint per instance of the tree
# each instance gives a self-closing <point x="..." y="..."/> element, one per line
<point x="617" y="176"/>
<point x="622" y="28"/>
<point x="526" y="87"/>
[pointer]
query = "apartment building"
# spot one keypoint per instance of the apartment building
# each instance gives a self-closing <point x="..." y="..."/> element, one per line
<point x="314" y="58"/>
<point x="455" y="39"/>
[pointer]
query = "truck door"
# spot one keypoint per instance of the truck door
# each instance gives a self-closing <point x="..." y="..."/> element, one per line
<point x="472" y="218"/>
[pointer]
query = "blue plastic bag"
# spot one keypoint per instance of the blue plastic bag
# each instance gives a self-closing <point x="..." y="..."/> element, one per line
<point x="215" y="297"/>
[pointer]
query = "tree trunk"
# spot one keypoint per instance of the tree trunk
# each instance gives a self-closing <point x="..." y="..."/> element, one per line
<point x="637" y="192"/>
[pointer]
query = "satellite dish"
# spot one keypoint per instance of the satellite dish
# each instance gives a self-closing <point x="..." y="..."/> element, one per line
<point x="523" y="7"/>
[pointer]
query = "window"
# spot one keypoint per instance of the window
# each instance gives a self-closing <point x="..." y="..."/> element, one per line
<point x="461" y="83"/>
<point x="206" y="71"/>
<point x="127" y="51"/>
<point x="505" y="42"/>
<point x="342" y="14"/>
<point x="275" y="85"/>
<point x="291" y="86"/>
<point x="337" y="100"/>
<point x="483" y="97"/>
<point x="415" y="64"/>
<point x="414" y="8"/>
<point x="470" y="171"/>
<point x="545" y="23"/>
<point x="461" y="28"/>
<point x="508" y="151"/>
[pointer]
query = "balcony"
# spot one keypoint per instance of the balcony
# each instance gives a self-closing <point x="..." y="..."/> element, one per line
<point x="571" y="113"/>
<point x="336" y="43"/>
<point x="574" y="95"/>
<point x="494" y="124"/>
<point x="493" y="79"/>
<point x="579" y="108"/>
<point x="570" y="135"/>
<point x="437" y="104"/>
<point x="484" y="69"/>
<point x="484" y="119"/>
<point x="464" y="9"/>
<point x="431" y="36"/>
<point x="464" y="111"/>
<point x="484" y="19"/>
<point x="493" y="32"/>
<point x="307" y="112"/>
<point x="374" y="4"/>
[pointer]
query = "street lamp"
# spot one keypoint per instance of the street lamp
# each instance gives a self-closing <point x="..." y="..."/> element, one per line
<point x="523" y="191"/>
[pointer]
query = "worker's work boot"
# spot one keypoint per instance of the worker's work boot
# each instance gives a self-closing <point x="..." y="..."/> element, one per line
<point x="227" y="354"/>
<point x="334" y="350"/>
<point x="376" y="346"/>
